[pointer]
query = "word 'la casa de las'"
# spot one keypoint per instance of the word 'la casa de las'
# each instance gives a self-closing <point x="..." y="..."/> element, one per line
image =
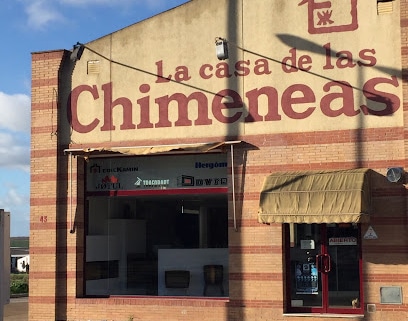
<point x="224" y="160"/>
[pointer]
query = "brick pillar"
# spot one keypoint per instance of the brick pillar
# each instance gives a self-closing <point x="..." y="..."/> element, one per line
<point x="43" y="195"/>
<point x="404" y="62"/>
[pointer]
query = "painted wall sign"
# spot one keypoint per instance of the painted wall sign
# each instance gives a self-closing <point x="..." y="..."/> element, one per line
<point x="152" y="173"/>
<point x="280" y="77"/>
<point x="298" y="101"/>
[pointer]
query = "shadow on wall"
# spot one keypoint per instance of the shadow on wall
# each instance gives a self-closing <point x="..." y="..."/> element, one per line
<point x="389" y="221"/>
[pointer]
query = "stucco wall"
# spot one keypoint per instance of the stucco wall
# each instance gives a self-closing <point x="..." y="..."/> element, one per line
<point x="317" y="71"/>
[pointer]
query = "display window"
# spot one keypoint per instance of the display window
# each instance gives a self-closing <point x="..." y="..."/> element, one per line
<point x="157" y="226"/>
<point x="324" y="268"/>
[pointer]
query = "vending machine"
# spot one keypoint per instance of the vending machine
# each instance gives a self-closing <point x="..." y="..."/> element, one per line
<point x="306" y="278"/>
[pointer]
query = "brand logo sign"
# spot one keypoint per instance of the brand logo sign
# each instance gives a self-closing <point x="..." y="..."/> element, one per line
<point x="108" y="183"/>
<point x="190" y="181"/>
<point x="328" y="16"/>
<point x="155" y="183"/>
<point x="149" y="173"/>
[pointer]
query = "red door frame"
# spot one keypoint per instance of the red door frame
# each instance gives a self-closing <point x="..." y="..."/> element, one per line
<point x="325" y="289"/>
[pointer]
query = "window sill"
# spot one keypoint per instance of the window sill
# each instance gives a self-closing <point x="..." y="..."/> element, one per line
<point x="156" y="297"/>
<point x="323" y="315"/>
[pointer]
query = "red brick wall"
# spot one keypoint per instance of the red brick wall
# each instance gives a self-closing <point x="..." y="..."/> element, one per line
<point x="44" y="198"/>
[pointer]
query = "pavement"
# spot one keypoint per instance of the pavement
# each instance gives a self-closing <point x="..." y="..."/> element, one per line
<point x="16" y="310"/>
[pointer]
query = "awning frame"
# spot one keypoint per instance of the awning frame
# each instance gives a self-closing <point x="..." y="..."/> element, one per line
<point x="168" y="149"/>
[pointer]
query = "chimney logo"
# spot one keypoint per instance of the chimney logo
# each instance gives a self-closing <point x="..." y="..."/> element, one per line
<point x="328" y="16"/>
<point x="95" y="169"/>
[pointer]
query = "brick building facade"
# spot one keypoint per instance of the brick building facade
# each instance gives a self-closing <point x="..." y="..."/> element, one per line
<point x="116" y="211"/>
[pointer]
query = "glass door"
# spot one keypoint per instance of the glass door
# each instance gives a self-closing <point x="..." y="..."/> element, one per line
<point x="305" y="280"/>
<point x="344" y="275"/>
<point x="324" y="268"/>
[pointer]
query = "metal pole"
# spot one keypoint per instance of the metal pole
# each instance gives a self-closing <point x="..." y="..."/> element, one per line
<point x="233" y="187"/>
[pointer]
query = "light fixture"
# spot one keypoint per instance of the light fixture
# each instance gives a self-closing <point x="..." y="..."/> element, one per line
<point x="221" y="48"/>
<point x="394" y="174"/>
<point x="77" y="51"/>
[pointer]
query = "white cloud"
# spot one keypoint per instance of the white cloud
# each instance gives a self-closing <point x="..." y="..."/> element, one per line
<point x="14" y="153"/>
<point x="41" y="13"/>
<point x="12" y="198"/>
<point x="15" y="112"/>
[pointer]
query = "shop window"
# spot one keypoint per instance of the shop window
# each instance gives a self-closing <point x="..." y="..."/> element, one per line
<point x="99" y="270"/>
<point x="157" y="245"/>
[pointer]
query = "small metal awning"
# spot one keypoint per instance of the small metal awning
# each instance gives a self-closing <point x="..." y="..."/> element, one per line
<point x="150" y="150"/>
<point x="341" y="196"/>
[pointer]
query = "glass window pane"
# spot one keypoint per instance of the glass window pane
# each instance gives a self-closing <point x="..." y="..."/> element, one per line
<point x="306" y="289"/>
<point x="344" y="276"/>
<point x="157" y="245"/>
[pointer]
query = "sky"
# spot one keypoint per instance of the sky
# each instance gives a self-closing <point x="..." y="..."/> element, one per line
<point x="28" y="26"/>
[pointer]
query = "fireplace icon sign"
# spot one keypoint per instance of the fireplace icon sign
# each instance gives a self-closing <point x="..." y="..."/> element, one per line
<point x="328" y="16"/>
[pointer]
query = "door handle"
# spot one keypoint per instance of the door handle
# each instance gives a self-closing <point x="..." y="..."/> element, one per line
<point x="318" y="259"/>
<point x="323" y="263"/>
<point x="327" y="263"/>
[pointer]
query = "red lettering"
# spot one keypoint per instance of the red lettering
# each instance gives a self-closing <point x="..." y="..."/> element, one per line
<point x="160" y="77"/>
<point x="328" y="51"/>
<point x="73" y="109"/>
<point x="183" y="102"/>
<point x="222" y="70"/>
<point x="305" y="62"/>
<point x="370" y="59"/>
<point x="241" y="69"/>
<point x="345" y="60"/>
<point x="307" y="96"/>
<point x="346" y="96"/>
<point x="203" y="73"/>
<point x="262" y="67"/>
<point x="108" y="110"/>
<point x="289" y="62"/>
<point x="390" y="101"/>
<point x="253" y="104"/>
<point x="292" y="64"/>
<point x="218" y="106"/>
<point x="298" y="101"/>
<point x="182" y="74"/>
<point x="144" y="104"/>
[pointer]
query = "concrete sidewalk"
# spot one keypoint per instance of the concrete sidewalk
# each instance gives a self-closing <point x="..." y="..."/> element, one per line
<point x="16" y="310"/>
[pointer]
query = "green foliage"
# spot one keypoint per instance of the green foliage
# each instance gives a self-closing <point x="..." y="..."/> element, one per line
<point x="19" y="283"/>
<point x="21" y="242"/>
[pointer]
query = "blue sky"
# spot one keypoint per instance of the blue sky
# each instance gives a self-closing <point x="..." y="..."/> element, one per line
<point x="28" y="26"/>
